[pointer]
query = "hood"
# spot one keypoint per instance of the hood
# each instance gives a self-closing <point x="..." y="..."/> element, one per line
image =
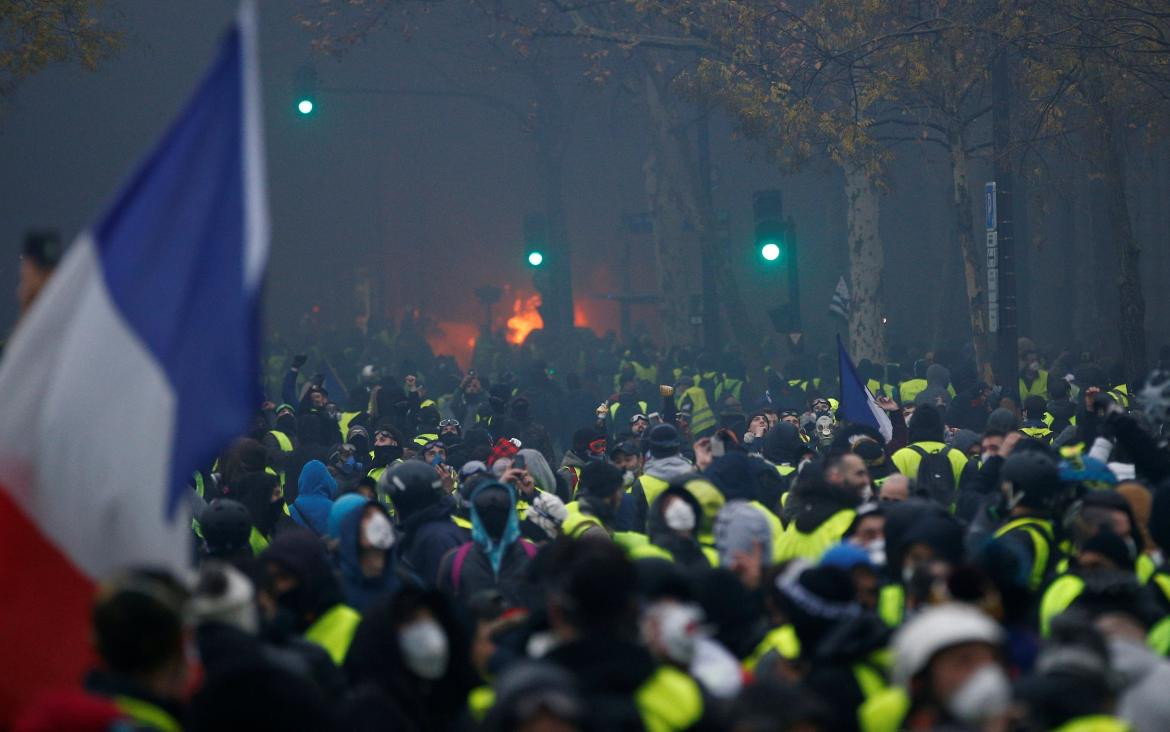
<point x="303" y="556"/>
<point x="668" y="468"/>
<point x="360" y="591"/>
<point x="938" y="376"/>
<point x="735" y="475"/>
<point x="1003" y="420"/>
<point x="495" y="550"/>
<point x="685" y="550"/>
<point x="782" y="444"/>
<point x="571" y="460"/>
<point x="539" y="468"/>
<point x="316" y="489"/>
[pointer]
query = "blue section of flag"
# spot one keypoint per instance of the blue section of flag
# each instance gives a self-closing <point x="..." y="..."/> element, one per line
<point x="855" y="398"/>
<point x="172" y="250"/>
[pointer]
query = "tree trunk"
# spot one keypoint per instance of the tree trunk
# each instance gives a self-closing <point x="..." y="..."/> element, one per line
<point x="1110" y="168"/>
<point x="666" y="189"/>
<point x="963" y="223"/>
<point x="676" y="196"/>
<point x="867" y="336"/>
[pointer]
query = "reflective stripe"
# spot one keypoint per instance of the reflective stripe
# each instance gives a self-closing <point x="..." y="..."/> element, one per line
<point x="892" y="604"/>
<point x="796" y="544"/>
<point x="783" y="641"/>
<point x="1094" y="723"/>
<point x="884" y="711"/>
<point x="480" y="701"/>
<point x="282" y="440"/>
<point x="1145" y="568"/>
<point x="702" y="417"/>
<point x="1040" y="532"/>
<point x="869" y="679"/>
<point x="1158" y="639"/>
<point x="334" y="631"/>
<point x="652" y="487"/>
<point x="577" y="523"/>
<point x="669" y="700"/>
<point x="257" y="541"/>
<point x="1057" y="598"/>
<point x="147" y="715"/>
<point x="613" y="409"/>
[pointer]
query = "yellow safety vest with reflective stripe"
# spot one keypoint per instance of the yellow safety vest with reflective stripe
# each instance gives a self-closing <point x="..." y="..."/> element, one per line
<point x="669" y="700"/>
<point x="613" y="409"/>
<point x="145" y="715"/>
<point x="702" y="417"/>
<point x="1060" y="594"/>
<point x="1038" y="388"/>
<point x="652" y="487"/>
<point x="892" y="604"/>
<point x="729" y="387"/>
<point x="1158" y="639"/>
<point x="908" y="390"/>
<point x="1040" y="433"/>
<point x="1040" y="532"/>
<point x="1094" y="723"/>
<point x="782" y="641"/>
<point x="1145" y="568"/>
<point x="884" y="711"/>
<point x="1048" y="419"/>
<point x="346" y="418"/>
<point x="1120" y="394"/>
<point x="577" y="523"/>
<point x="334" y="631"/>
<point x="282" y="440"/>
<point x="796" y="544"/>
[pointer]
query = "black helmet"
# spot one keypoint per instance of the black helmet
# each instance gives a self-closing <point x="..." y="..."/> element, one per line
<point x="226" y="527"/>
<point x="1032" y="476"/>
<point x="413" y="485"/>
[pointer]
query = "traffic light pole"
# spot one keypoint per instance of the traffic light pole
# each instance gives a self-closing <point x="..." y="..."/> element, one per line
<point x="1006" y="356"/>
<point x="710" y="292"/>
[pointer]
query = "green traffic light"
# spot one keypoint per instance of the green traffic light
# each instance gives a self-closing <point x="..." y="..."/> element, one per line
<point x="770" y="251"/>
<point x="305" y="106"/>
<point x="535" y="259"/>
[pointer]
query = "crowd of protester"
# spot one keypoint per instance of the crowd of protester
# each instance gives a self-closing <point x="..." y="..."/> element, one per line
<point x="654" y="541"/>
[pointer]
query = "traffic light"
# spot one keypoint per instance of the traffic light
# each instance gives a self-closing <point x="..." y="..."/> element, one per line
<point x="771" y="230"/>
<point x="305" y="90"/>
<point x="775" y="245"/>
<point x="535" y="240"/>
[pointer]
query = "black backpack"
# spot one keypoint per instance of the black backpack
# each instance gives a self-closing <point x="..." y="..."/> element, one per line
<point x="936" y="476"/>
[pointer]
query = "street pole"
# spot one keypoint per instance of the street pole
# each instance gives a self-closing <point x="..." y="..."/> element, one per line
<point x="1007" y="358"/>
<point x="709" y="290"/>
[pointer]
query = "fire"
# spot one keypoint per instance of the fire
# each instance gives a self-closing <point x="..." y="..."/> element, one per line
<point x="525" y="319"/>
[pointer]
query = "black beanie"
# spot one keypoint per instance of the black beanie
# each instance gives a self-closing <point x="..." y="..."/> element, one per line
<point x="1111" y="546"/>
<point x="600" y="479"/>
<point x="926" y="425"/>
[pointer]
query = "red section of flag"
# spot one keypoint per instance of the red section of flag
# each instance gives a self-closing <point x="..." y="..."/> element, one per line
<point x="45" y="624"/>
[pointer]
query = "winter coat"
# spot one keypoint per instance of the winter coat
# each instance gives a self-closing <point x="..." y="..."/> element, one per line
<point x="938" y="378"/>
<point x="361" y="591"/>
<point x="427" y="535"/>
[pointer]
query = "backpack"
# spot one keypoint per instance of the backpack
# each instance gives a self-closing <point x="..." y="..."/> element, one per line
<point x="461" y="558"/>
<point x="936" y="475"/>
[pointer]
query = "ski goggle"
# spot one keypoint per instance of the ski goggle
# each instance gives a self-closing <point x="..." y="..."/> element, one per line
<point x="639" y="418"/>
<point x="449" y="423"/>
<point x="597" y="447"/>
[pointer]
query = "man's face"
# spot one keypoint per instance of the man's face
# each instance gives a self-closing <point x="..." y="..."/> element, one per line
<point x="448" y="427"/>
<point x="895" y="488"/>
<point x="820" y="406"/>
<point x="433" y="452"/>
<point x="991" y="445"/>
<point x="639" y="425"/>
<point x="383" y="438"/>
<point x="772" y="418"/>
<point x="633" y="463"/>
<point x="869" y="529"/>
<point x="317" y="399"/>
<point x="597" y="448"/>
<point x="951" y="667"/>
<point x="791" y="419"/>
<point x="850" y="473"/>
<point x="759" y="425"/>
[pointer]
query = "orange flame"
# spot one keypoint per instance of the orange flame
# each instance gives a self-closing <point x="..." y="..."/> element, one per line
<point x="525" y="319"/>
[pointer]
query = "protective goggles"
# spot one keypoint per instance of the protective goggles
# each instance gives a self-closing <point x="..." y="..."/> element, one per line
<point x="449" y="423"/>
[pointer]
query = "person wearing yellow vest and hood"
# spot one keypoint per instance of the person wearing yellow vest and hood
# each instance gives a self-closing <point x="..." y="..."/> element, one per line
<point x="599" y="495"/>
<point x="947" y="673"/>
<point x="665" y="464"/>
<point x="673" y="531"/>
<point x="822" y="506"/>
<point x="308" y="593"/>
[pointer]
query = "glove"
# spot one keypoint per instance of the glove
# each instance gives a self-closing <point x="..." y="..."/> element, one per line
<point x="548" y="512"/>
<point x="666" y="390"/>
<point x="602" y="410"/>
<point x="298" y="361"/>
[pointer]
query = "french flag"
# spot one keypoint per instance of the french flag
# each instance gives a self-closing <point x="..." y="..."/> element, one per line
<point x="136" y="364"/>
<point x="857" y="402"/>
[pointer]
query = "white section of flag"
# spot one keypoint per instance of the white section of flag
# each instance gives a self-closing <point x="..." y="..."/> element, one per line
<point x="87" y="427"/>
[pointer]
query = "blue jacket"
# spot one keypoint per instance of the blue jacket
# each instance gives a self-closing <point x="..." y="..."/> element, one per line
<point x="360" y="591"/>
<point x="317" y="489"/>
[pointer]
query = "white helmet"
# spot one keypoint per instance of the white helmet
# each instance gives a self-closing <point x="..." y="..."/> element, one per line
<point x="935" y="629"/>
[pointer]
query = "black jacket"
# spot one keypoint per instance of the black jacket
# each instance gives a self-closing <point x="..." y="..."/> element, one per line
<point x="476" y="575"/>
<point x="428" y="535"/>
